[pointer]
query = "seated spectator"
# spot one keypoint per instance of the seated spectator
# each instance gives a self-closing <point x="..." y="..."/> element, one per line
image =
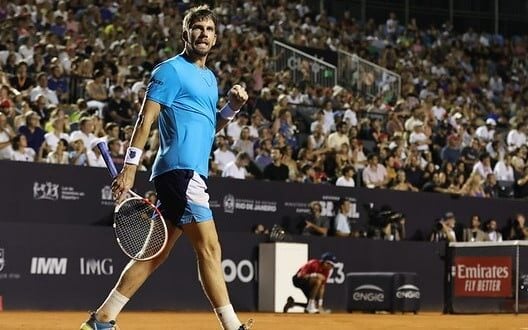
<point x="7" y="133"/>
<point x="418" y="137"/>
<point x="317" y="139"/>
<point x="237" y="168"/>
<point x="93" y="154"/>
<point x="336" y="139"/>
<point x="276" y="171"/>
<point x="263" y="158"/>
<point x="517" y="229"/>
<point x="59" y="154"/>
<point x="77" y="155"/>
<point x="118" y="109"/>
<point x="473" y="186"/>
<point x="491" y="187"/>
<point x="347" y="177"/>
<point x="43" y="89"/>
<point x="491" y="230"/>
<point x="58" y="83"/>
<point x="374" y="175"/>
<point x="473" y="233"/>
<point x="315" y="223"/>
<point x="516" y="136"/>
<point x="234" y="128"/>
<point x="402" y="184"/>
<point x="57" y="133"/>
<point x="85" y="131"/>
<point x="32" y="131"/>
<point x="485" y="133"/>
<point x="114" y="147"/>
<point x="21" y="152"/>
<point x="503" y="170"/>
<point x="444" y="229"/>
<point x="96" y="92"/>
<point x="21" y="81"/>
<point x="483" y="166"/>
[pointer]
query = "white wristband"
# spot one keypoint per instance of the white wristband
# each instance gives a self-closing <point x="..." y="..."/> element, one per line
<point x="228" y="113"/>
<point x="133" y="155"/>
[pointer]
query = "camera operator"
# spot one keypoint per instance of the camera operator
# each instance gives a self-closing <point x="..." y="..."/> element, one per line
<point x="445" y="229"/>
<point x="386" y="224"/>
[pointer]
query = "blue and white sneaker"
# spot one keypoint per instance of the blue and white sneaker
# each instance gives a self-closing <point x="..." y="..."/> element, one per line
<point x="93" y="324"/>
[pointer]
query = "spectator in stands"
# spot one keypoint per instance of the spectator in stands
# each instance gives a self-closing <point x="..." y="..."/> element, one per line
<point x="59" y="153"/>
<point x="57" y="133"/>
<point x="503" y="170"/>
<point x="276" y="171"/>
<point x="418" y="137"/>
<point x="341" y="223"/>
<point x="375" y="174"/>
<point x="58" y="83"/>
<point x="96" y="92"/>
<point x="85" y="131"/>
<point x="402" y="183"/>
<point x="474" y="233"/>
<point x="473" y="186"/>
<point x="516" y="136"/>
<point x="32" y="131"/>
<point x="21" y="152"/>
<point x="43" y="89"/>
<point x="483" y="166"/>
<point x="491" y="187"/>
<point x="470" y="154"/>
<point x="243" y="143"/>
<point x="77" y="155"/>
<point x="485" y="133"/>
<point x="347" y="177"/>
<point x="114" y="148"/>
<point x="222" y="154"/>
<point x="93" y="154"/>
<point x="263" y="158"/>
<point x="7" y="133"/>
<point x="320" y="121"/>
<point x="491" y="231"/>
<point x="336" y="139"/>
<point x="237" y="168"/>
<point x="234" y="128"/>
<point x="517" y="229"/>
<point x="21" y="81"/>
<point x="118" y="109"/>
<point x="315" y="223"/>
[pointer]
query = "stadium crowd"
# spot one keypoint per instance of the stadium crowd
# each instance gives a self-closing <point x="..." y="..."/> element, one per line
<point x="75" y="72"/>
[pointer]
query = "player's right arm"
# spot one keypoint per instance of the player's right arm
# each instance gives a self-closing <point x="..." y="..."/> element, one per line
<point x="125" y="179"/>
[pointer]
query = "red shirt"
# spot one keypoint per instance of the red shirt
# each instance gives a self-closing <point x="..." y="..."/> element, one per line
<point x="313" y="266"/>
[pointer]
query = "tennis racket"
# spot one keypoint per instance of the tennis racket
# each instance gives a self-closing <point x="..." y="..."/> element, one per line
<point x="139" y="227"/>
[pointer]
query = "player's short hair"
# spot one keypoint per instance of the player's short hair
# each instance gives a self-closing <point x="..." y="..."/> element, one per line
<point x="197" y="14"/>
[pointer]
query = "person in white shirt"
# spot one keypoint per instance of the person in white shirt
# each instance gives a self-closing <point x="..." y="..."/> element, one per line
<point x="42" y="89"/>
<point x="350" y="116"/>
<point x="21" y="152"/>
<point x="439" y="112"/>
<point x="59" y="155"/>
<point x="6" y="134"/>
<point x="516" y="137"/>
<point x="418" y="137"/>
<point x="504" y="170"/>
<point x="339" y="137"/>
<point x="483" y="166"/>
<point x="486" y="132"/>
<point x="234" y="128"/>
<point x="347" y="179"/>
<point x="237" y="168"/>
<point x="93" y="155"/>
<point x="491" y="229"/>
<point x="57" y="133"/>
<point x="320" y="120"/>
<point x="222" y="155"/>
<point x="85" y="132"/>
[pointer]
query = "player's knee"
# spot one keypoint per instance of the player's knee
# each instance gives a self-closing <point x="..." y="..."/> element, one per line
<point x="209" y="250"/>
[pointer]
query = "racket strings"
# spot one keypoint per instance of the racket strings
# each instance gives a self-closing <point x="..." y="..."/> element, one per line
<point x="139" y="228"/>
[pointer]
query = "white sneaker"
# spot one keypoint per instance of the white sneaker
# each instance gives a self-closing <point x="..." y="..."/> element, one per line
<point x="311" y="310"/>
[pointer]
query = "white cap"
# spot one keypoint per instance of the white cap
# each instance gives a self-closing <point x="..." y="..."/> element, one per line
<point x="76" y="135"/>
<point x="491" y="121"/>
<point x="418" y="123"/>
<point x="457" y="115"/>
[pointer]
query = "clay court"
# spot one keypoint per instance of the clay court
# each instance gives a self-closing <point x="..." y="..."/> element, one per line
<point x="268" y="321"/>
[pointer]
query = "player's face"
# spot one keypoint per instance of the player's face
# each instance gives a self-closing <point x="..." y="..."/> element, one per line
<point x="201" y="37"/>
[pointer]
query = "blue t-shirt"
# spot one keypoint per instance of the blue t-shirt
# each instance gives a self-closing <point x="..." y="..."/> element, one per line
<point x="188" y="96"/>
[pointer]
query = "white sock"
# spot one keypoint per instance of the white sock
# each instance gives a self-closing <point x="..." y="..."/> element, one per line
<point x="227" y="317"/>
<point x="311" y="304"/>
<point x="320" y="303"/>
<point x="111" y="307"/>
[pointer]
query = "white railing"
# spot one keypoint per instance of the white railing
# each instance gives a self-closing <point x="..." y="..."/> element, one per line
<point x="366" y="77"/>
<point x="303" y="66"/>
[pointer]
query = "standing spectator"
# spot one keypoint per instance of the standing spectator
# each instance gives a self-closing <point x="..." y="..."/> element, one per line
<point x="276" y="171"/>
<point x="21" y="152"/>
<point x="222" y="154"/>
<point x="347" y="177"/>
<point x="375" y="174"/>
<point x="473" y="233"/>
<point x="315" y="223"/>
<point x="491" y="230"/>
<point x="341" y="224"/>
<point x="243" y="143"/>
<point x="339" y="137"/>
<point x="237" y="168"/>
<point x="7" y="133"/>
<point x="32" y="131"/>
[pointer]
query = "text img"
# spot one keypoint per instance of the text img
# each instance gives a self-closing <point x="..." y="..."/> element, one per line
<point x="482" y="276"/>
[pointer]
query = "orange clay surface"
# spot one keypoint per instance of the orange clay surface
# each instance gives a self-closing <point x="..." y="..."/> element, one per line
<point x="179" y="320"/>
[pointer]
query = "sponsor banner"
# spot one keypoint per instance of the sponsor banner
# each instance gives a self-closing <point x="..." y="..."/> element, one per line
<point x="483" y="276"/>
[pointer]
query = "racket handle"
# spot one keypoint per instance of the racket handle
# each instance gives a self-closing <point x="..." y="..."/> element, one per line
<point x="103" y="147"/>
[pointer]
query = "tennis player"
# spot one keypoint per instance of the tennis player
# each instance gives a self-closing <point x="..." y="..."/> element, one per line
<point x="182" y="96"/>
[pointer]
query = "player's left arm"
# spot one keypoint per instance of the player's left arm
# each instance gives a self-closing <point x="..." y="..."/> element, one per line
<point x="237" y="96"/>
